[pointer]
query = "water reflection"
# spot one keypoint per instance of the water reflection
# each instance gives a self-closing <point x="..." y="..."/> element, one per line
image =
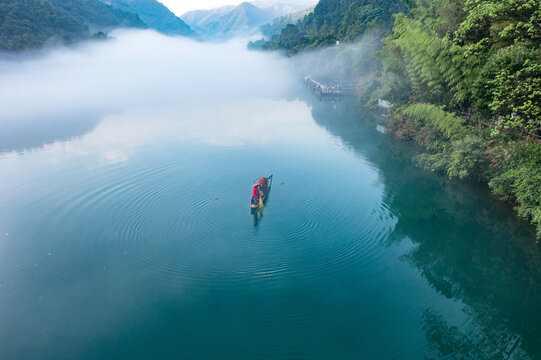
<point x="468" y="246"/>
<point x="233" y="123"/>
<point x="17" y="136"/>
<point x="257" y="215"/>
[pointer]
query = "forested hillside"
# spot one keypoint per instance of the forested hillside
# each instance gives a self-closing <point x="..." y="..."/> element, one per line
<point x="98" y="15"/>
<point x="336" y="20"/>
<point x="26" y="24"/>
<point x="30" y="23"/>
<point x="465" y="80"/>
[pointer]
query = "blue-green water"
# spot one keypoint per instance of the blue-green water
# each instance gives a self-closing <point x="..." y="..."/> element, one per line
<point x="133" y="239"/>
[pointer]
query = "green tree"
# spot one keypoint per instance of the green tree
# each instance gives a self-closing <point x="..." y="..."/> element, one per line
<point x="336" y="20"/>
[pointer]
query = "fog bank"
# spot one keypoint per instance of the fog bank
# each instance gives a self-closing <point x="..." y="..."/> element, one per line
<point x="78" y="87"/>
<point x="350" y="62"/>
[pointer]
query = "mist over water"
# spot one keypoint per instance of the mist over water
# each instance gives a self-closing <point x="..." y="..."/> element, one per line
<point x="125" y="230"/>
<point x="137" y="72"/>
<point x="345" y="62"/>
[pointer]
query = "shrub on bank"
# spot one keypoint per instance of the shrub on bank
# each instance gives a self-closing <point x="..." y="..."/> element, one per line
<point x="511" y="167"/>
<point x="521" y="181"/>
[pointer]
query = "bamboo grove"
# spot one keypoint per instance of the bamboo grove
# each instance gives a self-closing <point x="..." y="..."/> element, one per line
<point x="465" y="78"/>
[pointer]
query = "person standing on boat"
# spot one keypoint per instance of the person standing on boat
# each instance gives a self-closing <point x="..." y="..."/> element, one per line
<point x="255" y="194"/>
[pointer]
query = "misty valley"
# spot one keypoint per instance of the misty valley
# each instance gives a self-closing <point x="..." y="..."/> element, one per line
<point x="127" y="167"/>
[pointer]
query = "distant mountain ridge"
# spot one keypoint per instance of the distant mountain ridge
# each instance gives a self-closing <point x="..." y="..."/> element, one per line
<point x="156" y="15"/>
<point x="228" y="21"/>
<point x="283" y="8"/>
<point x="195" y="17"/>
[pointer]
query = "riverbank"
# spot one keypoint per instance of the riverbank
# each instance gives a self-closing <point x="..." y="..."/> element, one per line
<point x="510" y="165"/>
<point x="436" y="61"/>
<point x="440" y="63"/>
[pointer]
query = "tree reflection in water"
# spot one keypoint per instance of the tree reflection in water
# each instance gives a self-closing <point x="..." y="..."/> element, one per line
<point x="481" y="342"/>
<point x="469" y="246"/>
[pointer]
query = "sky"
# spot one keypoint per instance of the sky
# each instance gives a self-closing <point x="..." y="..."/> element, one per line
<point x="180" y="7"/>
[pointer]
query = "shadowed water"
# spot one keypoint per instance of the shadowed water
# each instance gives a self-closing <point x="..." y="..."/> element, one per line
<point x="131" y="237"/>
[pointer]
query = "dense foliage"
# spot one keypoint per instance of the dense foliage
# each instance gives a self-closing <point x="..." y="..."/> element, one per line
<point x="97" y="14"/>
<point x="336" y="20"/>
<point x="465" y="77"/>
<point x="490" y="62"/>
<point x="465" y="80"/>
<point x="32" y="23"/>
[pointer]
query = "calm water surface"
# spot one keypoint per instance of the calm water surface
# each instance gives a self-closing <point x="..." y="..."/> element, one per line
<point x="129" y="236"/>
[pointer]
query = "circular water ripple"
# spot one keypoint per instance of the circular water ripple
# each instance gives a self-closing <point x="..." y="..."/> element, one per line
<point x="173" y="231"/>
<point x="201" y="231"/>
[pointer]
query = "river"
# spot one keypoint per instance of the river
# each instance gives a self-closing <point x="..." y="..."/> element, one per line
<point x="126" y="233"/>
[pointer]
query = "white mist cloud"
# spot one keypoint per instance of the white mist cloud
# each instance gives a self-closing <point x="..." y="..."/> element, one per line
<point x="345" y="61"/>
<point x="237" y="123"/>
<point x="144" y="87"/>
<point x="138" y="68"/>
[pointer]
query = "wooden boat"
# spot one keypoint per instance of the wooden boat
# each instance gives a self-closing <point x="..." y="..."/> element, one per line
<point x="265" y="188"/>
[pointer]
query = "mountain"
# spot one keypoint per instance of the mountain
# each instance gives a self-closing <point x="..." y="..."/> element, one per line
<point x="26" y="24"/>
<point x="156" y="15"/>
<point x="195" y="17"/>
<point x="97" y="15"/>
<point x="30" y="23"/>
<point x="229" y="21"/>
<point x="283" y="8"/>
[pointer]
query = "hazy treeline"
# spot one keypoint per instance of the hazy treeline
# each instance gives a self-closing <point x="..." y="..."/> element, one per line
<point x="335" y="20"/>
<point x="276" y="26"/>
